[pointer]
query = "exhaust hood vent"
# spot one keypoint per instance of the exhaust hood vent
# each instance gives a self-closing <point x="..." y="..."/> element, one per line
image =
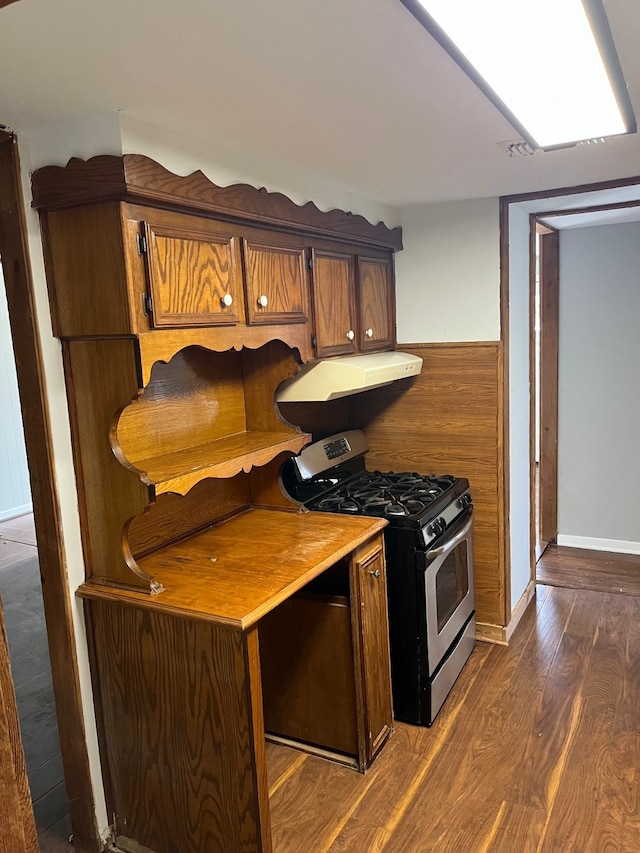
<point x="333" y="378"/>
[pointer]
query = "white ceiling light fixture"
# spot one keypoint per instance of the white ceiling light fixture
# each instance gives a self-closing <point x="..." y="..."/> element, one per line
<point x="551" y="68"/>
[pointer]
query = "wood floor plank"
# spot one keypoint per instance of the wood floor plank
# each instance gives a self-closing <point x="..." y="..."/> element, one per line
<point x="281" y="762"/>
<point x="519" y="829"/>
<point x="577" y="568"/>
<point x="403" y="769"/>
<point x="496" y="715"/>
<point x="305" y="810"/>
<point x="551" y="727"/>
<point x="610" y="676"/>
<point x="597" y="785"/>
<point x="628" y="711"/>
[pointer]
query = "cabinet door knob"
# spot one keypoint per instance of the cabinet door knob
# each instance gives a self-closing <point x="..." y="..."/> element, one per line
<point x="351" y="334"/>
<point x="227" y="300"/>
<point x="263" y="301"/>
<point x="376" y="573"/>
<point x="369" y="333"/>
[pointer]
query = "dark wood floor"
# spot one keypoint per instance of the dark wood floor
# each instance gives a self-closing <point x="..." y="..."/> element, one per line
<point x="536" y="749"/>
<point x="602" y="571"/>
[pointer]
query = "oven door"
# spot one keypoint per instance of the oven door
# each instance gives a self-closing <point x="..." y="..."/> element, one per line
<point x="448" y="588"/>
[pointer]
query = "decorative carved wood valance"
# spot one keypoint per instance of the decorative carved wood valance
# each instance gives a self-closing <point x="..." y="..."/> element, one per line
<point x="139" y="179"/>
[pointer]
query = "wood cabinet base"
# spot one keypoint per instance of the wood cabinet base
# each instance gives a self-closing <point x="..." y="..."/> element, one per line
<point x="182" y="735"/>
<point x="179" y="687"/>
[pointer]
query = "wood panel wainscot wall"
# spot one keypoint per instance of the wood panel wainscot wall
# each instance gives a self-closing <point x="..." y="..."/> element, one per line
<point x="447" y="420"/>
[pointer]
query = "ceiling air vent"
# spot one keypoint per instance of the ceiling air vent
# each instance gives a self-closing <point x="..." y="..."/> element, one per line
<point x="517" y="148"/>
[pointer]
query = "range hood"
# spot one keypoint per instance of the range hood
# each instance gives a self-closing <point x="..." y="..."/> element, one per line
<point x="332" y="378"/>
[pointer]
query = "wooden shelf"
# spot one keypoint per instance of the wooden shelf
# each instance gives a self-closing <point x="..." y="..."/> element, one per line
<point x="178" y="472"/>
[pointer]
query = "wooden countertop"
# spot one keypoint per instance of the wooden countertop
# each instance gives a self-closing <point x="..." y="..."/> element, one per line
<point x="239" y="570"/>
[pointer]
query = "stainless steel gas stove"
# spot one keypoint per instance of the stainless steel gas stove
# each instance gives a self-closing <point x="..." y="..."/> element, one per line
<point x="429" y="552"/>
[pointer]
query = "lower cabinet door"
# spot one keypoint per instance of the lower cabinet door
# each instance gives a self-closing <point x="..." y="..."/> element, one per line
<point x="371" y="638"/>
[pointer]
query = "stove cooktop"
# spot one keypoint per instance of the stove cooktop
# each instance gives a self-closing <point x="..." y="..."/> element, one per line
<point x="406" y="498"/>
<point x="330" y="476"/>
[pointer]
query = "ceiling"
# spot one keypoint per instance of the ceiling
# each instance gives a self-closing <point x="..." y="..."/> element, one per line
<point x="354" y="91"/>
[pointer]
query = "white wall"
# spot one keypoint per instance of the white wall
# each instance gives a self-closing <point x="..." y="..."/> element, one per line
<point x="599" y="388"/>
<point x="15" y="492"/>
<point x="519" y="412"/>
<point x="118" y="134"/>
<point x="448" y="276"/>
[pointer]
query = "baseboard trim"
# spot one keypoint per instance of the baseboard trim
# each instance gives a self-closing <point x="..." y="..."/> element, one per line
<point x="519" y="609"/>
<point x="488" y="633"/>
<point x="589" y="543"/>
<point x="15" y="511"/>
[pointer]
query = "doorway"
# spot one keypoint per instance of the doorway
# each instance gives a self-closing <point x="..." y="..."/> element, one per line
<point x="563" y="209"/>
<point x="21" y="592"/>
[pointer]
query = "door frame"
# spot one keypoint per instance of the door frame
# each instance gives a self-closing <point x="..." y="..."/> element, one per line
<point x="538" y="205"/>
<point x="14" y="250"/>
<point x="545" y="503"/>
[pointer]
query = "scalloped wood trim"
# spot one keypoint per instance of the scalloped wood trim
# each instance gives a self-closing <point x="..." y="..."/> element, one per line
<point x="161" y="345"/>
<point x="136" y="178"/>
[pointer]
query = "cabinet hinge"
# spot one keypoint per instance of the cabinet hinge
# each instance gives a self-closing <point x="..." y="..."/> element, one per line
<point x="142" y="244"/>
<point x="314" y="341"/>
<point x="310" y="262"/>
<point x="147" y="303"/>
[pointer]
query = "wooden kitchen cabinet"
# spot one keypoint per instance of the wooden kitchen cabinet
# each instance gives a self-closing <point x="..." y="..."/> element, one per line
<point x="172" y="361"/>
<point x="277" y="281"/>
<point x="368" y="573"/>
<point x="119" y="269"/>
<point x="208" y="273"/>
<point x="194" y="271"/>
<point x="334" y="301"/>
<point x="354" y="303"/>
<point x="325" y="662"/>
<point x="376" y="303"/>
<point x="180" y="675"/>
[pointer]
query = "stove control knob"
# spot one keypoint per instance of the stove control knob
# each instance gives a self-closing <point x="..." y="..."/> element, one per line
<point x="464" y="500"/>
<point x="438" y="525"/>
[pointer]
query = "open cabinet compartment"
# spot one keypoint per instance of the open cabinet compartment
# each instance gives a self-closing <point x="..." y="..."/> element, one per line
<point x="194" y="408"/>
<point x="206" y="414"/>
<point x="307" y="659"/>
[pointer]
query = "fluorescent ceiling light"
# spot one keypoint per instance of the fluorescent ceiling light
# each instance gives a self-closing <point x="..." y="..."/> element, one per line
<point x="539" y="63"/>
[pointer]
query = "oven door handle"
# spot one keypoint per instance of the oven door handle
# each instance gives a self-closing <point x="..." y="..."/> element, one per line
<point x="451" y="544"/>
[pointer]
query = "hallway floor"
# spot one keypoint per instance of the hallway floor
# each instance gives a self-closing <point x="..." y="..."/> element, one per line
<point x="24" y="616"/>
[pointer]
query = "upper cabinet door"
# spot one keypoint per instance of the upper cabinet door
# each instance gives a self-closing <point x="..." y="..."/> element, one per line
<point x="277" y="284"/>
<point x="376" y="293"/>
<point x="334" y="300"/>
<point x="195" y="273"/>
